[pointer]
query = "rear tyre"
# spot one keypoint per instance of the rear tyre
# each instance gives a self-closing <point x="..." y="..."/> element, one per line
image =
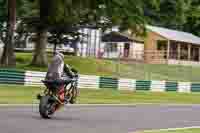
<point x="44" y="107"/>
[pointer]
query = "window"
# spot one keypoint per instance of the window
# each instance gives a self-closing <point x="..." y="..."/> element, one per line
<point x="126" y="49"/>
<point x="194" y="53"/>
<point x="162" y="45"/>
<point x="162" y="48"/>
<point x="184" y="52"/>
<point x="111" y="47"/>
<point x="173" y="54"/>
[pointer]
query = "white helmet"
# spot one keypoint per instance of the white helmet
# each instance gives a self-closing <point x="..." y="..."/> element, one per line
<point x="60" y="54"/>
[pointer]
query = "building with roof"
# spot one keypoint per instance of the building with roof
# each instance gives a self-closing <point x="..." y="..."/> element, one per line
<point x="111" y="44"/>
<point x="118" y="45"/>
<point x="166" y="46"/>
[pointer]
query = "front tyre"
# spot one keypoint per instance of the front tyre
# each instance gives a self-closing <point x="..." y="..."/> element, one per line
<point x="75" y="93"/>
<point x="45" y="107"/>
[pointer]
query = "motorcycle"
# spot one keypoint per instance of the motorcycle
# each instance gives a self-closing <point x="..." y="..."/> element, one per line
<point x="56" y="94"/>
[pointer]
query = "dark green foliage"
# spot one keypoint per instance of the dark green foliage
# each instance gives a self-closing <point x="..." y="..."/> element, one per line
<point x="41" y="16"/>
<point x="102" y="13"/>
<point x="3" y="17"/>
<point x="3" y="13"/>
<point x="193" y="20"/>
<point x="175" y="14"/>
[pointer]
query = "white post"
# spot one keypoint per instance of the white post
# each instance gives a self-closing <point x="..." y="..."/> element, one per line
<point x="179" y="51"/>
<point x="168" y="51"/>
<point x="189" y="52"/>
<point x="199" y="54"/>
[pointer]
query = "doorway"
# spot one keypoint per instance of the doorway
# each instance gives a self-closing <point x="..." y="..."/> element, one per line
<point x="126" y="50"/>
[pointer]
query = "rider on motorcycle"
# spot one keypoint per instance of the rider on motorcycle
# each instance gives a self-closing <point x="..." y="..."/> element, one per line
<point x="58" y="68"/>
<point x="58" y="77"/>
<point x="56" y="71"/>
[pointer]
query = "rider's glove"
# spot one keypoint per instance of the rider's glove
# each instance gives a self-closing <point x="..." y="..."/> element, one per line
<point x="68" y="71"/>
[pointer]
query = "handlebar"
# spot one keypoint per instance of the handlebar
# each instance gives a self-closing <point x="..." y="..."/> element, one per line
<point x="74" y="70"/>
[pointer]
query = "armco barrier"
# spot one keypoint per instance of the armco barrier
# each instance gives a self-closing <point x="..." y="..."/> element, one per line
<point x="33" y="78"/>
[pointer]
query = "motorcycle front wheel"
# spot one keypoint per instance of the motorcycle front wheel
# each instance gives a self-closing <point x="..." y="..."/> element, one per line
<point x="75" y="93"/>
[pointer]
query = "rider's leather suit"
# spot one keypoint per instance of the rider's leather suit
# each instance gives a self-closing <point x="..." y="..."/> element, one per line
<point x="57" y="68"/>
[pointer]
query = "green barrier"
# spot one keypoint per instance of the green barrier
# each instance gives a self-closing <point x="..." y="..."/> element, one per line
<point x="12" y="71"/>
<point x="12" y="82"/>
<point x="108" y="83"/>
<point x="143" y="85"/>
<point x="195" y="87"/>
<point x="171" y="86"/>
<point x="9" y="79"/>
<point x="11" y="76"/>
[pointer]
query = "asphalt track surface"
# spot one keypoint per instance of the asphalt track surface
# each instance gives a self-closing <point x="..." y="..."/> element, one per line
<point x="99" y="119"/>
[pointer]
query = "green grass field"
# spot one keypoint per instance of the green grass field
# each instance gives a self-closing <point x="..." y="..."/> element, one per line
<point x="85" y="66"/>
<point x="109" y="68"/>
<point x="14" y="94"/>
<point x="175" y="131"/>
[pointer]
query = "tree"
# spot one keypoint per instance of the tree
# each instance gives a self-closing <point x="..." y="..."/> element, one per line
<point x="78" y="14"/>
<point x="168" y="13"/>
<point x="175" y="14"/>
<point x="31" y="25"/>
<point x="193" y="18"/>
<point x="40" y="57"/>
<point x="11" y="12"/>
<point x="61" y="34"/>
<point x="8" y="58"/>
<point x="3" y="19"/>
<point x="40" y="28"/>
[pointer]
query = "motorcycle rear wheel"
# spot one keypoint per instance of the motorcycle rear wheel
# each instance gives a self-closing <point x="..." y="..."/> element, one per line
<point x="44" y="107"/>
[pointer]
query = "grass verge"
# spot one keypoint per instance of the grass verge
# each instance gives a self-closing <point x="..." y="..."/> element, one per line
<point x="112" y="68"/>
<point x="15" y="94"/>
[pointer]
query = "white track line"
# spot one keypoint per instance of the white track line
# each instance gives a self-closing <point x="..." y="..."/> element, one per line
<point x="168" y="129"/>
